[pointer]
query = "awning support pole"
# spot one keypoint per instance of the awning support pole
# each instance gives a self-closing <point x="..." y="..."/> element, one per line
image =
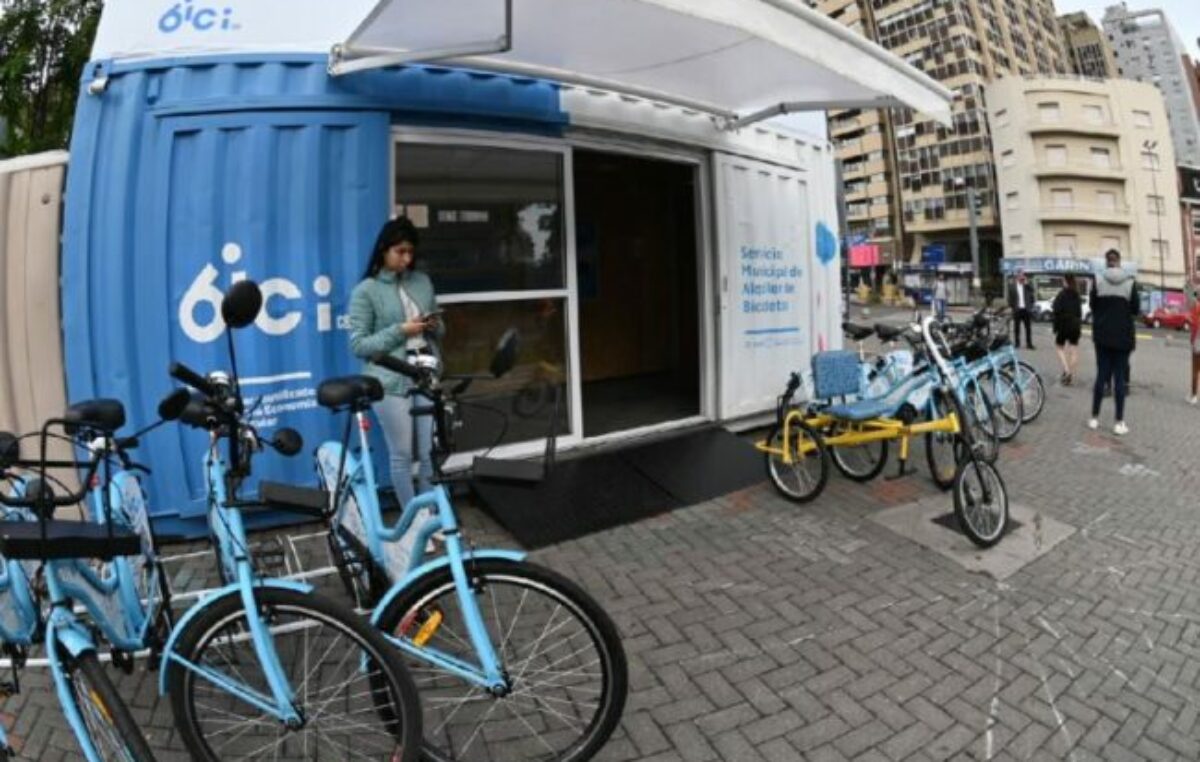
<point x="793" y="106"/>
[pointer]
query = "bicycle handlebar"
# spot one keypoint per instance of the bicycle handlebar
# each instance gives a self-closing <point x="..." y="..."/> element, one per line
<point x="396" y="365"/>
<point x="181" y="372"/>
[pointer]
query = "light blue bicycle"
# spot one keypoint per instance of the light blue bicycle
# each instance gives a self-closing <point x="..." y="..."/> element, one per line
<point x="513" y="661"/>
<point x="51" y="561"/>
<point x="264" y="668"/>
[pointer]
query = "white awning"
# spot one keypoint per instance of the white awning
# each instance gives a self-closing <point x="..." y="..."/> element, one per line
<point x="741" y="60"/>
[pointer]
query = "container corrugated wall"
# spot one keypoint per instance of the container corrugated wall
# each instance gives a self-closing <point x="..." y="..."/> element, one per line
<point x="187" y="175"/>
<point x="31" y="359"/>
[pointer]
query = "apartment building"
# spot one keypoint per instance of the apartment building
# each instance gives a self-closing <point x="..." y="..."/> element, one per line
<point x="1086" y="46"/>
<point x="906" y="177"/>
<point x="1084" y="166"/>
<point x="1147" y="49"/>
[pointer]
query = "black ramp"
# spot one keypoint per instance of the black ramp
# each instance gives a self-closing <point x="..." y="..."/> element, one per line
<point x="578" y="497"/>
<point x="700" y="465"/>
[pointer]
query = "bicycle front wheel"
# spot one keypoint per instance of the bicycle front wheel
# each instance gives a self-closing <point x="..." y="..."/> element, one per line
<point x="110" y="727"/>
<point x="560" y="651"/>
<point x="1002" y="392"/>
<point x="804" y="478"/>
<point x="942" y="448"/>
<point x="1033" y="390"/>
<point x="981" y="418"/>
<point x="862" y="462"/>
<point x="981" y="502"/>
<point x="350" y="687"/>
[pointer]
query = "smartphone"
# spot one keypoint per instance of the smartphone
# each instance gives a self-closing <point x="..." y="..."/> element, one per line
<point x="431" y="315"/>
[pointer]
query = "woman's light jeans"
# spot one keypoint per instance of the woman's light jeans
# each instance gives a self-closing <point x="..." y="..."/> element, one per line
<point x="395" y="416"/>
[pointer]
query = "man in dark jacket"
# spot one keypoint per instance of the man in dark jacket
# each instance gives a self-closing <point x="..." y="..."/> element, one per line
<point x="1115" y="304"/>
<point x="1020" y="300"/>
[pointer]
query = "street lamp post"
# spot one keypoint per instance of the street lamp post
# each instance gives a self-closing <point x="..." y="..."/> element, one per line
<point x="1151" y="147"/>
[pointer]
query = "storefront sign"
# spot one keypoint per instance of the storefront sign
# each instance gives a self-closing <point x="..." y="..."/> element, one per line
<point x="1010" y="265"/>
<point x="933" y="252"/>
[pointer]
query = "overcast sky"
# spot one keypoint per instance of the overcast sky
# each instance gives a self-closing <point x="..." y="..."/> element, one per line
<point x="1184" y="15"/>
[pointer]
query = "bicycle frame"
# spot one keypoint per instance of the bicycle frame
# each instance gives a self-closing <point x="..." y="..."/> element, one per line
<point x="229" y="535"/>
<point x="356" y="476"/>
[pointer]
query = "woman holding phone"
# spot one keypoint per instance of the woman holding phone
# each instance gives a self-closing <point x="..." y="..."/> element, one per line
<point x="393" y="309"/>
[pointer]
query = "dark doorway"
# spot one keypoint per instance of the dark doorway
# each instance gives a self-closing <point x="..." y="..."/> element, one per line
<point x="635" y="239"/>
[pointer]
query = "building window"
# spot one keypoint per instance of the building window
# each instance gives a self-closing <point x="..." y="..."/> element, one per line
<point x="1011" y="201"/>
<point x="1062" y="198"/>
<point x="1007" y="159"/>
<point x="1064" y="244"/>
<point x="1160" y="249"/>
<point x="1155" y="205"/>
<point x="1056" y="156"/>
<point x="1014" y="243"/>
<point x="1102" y="158"/>
<point x="1106" y="200"/>
<point x="1002" y="118"/>
<point x="1149" y="160"/>
<point x="1093" y="114"/>
<point x="1049" y="112"/>
<point x="1141" y="119"/>
<point x="1196" y="222"/>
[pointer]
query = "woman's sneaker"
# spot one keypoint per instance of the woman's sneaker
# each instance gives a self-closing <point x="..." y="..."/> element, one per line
<point x="1120" y="429"/>
<point x="1093" y="424"/>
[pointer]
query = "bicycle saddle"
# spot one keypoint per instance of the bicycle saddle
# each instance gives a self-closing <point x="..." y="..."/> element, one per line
<point x="857" y="332"/>
<point x="888" y="332"/>
<point x="355" y="391"/>
<point x="104" y="414"/>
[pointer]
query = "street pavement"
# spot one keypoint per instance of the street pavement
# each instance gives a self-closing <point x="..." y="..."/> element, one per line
<point x="757" y="629"/>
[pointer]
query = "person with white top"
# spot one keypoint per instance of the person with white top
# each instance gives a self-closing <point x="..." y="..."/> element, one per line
<point x="1020" y="299"/>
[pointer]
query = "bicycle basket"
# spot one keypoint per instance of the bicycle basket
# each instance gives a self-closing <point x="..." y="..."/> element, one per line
<point x="835" y="374"/>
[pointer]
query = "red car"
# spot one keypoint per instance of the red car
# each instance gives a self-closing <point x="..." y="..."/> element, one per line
<point x="1168" y="318"/>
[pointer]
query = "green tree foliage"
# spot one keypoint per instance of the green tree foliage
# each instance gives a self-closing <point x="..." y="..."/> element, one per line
<point x="44" y="45"/>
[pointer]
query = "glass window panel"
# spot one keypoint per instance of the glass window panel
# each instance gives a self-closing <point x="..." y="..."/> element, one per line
<point x="490" y="219"/>
<point x="518" y="406"/>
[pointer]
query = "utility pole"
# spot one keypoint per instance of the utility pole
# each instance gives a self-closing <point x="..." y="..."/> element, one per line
<point x="973" y="216"/>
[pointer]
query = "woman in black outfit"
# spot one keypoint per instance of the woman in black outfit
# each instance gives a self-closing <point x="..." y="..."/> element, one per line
<point x="1068" y="319"/>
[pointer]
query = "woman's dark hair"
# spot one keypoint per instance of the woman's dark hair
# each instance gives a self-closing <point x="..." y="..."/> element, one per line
<point x="1112" y="255"/>
<point x="1070" y="282"/>
<point x="393" y="232"/>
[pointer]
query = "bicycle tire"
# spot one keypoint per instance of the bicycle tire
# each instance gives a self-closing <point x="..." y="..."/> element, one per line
<point x="1006" y="399"/>
<point x="980" y="415"/>
<point x="424" y="597"/>
<point x="1033" y="389"/>
<point x="874" y="454"/>
<point x="388" y="693"/>
<point x="110" y="726"/>
<point x="942" y="451"/>
<point x="355" y="567"/>
<point x="775" y="467"/>
<point x="983" y="522"/>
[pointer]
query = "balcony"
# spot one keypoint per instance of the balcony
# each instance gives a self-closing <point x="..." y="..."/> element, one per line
<point x="1107" y="215"/>
<point x="1107" y="129"/>
<point x="1078" y="169"/>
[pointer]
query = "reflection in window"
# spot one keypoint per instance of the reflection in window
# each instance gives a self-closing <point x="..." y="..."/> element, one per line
<point x="520" y="405"/>
<point x="491" y="219"/>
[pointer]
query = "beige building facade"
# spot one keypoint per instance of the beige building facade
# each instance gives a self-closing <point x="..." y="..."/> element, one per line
<point x="1088" y="51"/>
<point x="1084" y="166"/>
<point x="906" y="177"/>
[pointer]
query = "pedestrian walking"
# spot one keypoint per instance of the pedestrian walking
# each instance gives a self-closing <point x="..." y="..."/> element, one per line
<point x="940" y="297"/>
<point x="1193" y="295"/>
<point x="1115" y="304"/>
<point x="1020" y="299"/>
<point x="1067" y="310"/>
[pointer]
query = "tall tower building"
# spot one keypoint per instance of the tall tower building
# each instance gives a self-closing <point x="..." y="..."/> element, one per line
<point x="910" y="173"/>
<point x="1147" y="49"/>
<point x="1087" y="48"/>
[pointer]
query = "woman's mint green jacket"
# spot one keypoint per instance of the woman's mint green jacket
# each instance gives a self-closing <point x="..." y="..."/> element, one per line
<point x="376" y="313"/>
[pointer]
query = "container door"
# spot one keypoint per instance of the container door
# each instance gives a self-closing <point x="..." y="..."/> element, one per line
<point x="290" y="200"/>
<point x="767" y="290"/>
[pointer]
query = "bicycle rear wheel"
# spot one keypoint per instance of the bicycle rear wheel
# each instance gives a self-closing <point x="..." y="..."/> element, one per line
<point x="943" y="450"/>
<point x="559" y="649"/>
<point x="1002" y="392"/>
<point x="863" y="462"/>
<point x="981" y="419"/>
<point x="110" y="727"/>
<point x="1033" y="390"/>
<point x="355" y="697"/>
<point x="982" y="511"/>
<point x="805" y="477"/>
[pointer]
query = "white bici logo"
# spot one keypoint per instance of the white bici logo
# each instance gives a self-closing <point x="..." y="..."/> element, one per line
<point x="204" y="290"/>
